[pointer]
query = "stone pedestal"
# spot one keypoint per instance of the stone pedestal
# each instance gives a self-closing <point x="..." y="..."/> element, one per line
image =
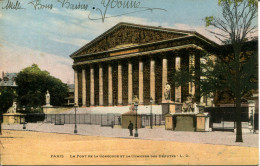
<point x="47" y="108"/>
<point x="169" y="125"/>
<point x="171" y="107"/>
<point x="185" y="121"/>
<point x="13" y="118"/>
<point x="202" y="122"/>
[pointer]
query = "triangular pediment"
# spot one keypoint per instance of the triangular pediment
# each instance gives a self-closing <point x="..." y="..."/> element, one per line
<point x="125" y="35"/>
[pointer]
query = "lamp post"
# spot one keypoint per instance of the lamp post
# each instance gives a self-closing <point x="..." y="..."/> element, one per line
<point x="151" y="116"/>
<point x="136" y="131"/>
<point x="75" y="130"/>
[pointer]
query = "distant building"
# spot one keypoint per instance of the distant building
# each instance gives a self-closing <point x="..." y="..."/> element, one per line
<point x="8" y="80"/>
<point x="136" y="60"/>
<point x="131" y="59"/>
<point x="70" y="97"/>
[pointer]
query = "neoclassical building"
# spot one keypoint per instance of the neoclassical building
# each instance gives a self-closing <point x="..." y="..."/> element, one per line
<point x="131" y="59"/>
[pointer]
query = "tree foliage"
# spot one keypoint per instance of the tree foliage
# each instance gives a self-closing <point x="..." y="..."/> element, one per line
<point x="236" y="23"/>
<point x="7" y="96"/>
<point x="32" y="86"/>
<point x="217" y="74"/>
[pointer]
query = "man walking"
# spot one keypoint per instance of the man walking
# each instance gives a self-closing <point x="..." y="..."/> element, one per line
<point x="131" y="127"/>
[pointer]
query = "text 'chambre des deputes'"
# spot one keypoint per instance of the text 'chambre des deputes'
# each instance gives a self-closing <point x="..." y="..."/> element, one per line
<point x="69" y="4"/>
<point x="120" y="156"/>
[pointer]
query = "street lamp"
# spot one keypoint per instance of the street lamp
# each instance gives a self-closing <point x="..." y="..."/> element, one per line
<point x="151" y="116"/>
<point x="75" y="130"/>
<point x="136" y="131"/>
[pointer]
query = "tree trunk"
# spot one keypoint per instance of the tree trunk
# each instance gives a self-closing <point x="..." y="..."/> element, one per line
<point x="238" y="97"/>
<point x="238" y="121"/>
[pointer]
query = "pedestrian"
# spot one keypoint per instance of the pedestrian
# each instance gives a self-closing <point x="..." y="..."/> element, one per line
<point x="112" y="124"/>
<point x="131" y="127"/>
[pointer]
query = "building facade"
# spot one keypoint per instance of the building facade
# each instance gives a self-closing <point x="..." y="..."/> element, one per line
<point x="130" y="59"/>
<point x="8" y="80"/>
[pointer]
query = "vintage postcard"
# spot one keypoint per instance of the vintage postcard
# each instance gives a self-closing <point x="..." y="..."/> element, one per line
<point x="129" y="82"/>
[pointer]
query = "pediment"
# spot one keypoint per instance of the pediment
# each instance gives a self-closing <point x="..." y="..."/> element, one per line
<point x="125" y="35"/>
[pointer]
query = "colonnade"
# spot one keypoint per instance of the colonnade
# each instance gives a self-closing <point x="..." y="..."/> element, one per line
<point x="120" y="82"/>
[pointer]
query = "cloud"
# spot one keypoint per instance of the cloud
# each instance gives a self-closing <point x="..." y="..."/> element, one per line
<point x="71" y="41"/>
<point x="80" y="23"/>
<point x="14" y="58"/>
<point x="74" y="28"/>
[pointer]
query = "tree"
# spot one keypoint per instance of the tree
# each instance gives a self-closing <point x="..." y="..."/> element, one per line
<point x="235" y="26"/>
<point x="33" y="84"/>
<point x="7" y="96"/>
<point x="206" y="77"/>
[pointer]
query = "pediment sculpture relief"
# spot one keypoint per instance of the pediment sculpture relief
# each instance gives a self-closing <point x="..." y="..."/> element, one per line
<point x="128" y="35"/>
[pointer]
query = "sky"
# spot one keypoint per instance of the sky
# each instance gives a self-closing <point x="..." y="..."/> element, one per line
<point x="46" y="32"/>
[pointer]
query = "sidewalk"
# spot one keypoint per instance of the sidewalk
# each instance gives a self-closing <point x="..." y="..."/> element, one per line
<point x="215" y="138"/>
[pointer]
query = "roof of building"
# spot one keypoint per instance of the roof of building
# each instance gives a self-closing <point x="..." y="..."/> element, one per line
<point x="8" y="80"/>
<point x="179" y="33"/>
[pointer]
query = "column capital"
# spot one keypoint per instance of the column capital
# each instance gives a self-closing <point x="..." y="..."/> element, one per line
<point x="91" y="65"/>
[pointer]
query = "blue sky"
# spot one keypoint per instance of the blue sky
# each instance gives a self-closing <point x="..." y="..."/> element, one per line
<point x="47" y="37"/>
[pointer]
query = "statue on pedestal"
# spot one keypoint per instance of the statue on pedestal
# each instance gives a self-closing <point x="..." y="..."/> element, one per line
<point x="188" y="105"/>
<point x="47" y="98"/>
<point x="13" y="108"/>
<point x="167" y="91"/>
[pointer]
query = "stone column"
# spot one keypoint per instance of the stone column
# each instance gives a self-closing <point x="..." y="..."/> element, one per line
<point x="110" y="90"/>
<point x="164" y="75"/>
<point x="92" y="90"/>
<point x="76" y="88"/>
<point x="130" y="83"/>
<point x="141" y="82"/>
<point x="101" y="102"/>
<point x="119" y="102"/>
<point x="177" y="89"/>
<point x="192" y="67"/>
<point x="152" y="79"/>
<point x="83" y="87"/>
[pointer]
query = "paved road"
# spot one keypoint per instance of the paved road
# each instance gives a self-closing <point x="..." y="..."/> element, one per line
<point x="216" y="138"/>
<point x="39" y="148"/>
